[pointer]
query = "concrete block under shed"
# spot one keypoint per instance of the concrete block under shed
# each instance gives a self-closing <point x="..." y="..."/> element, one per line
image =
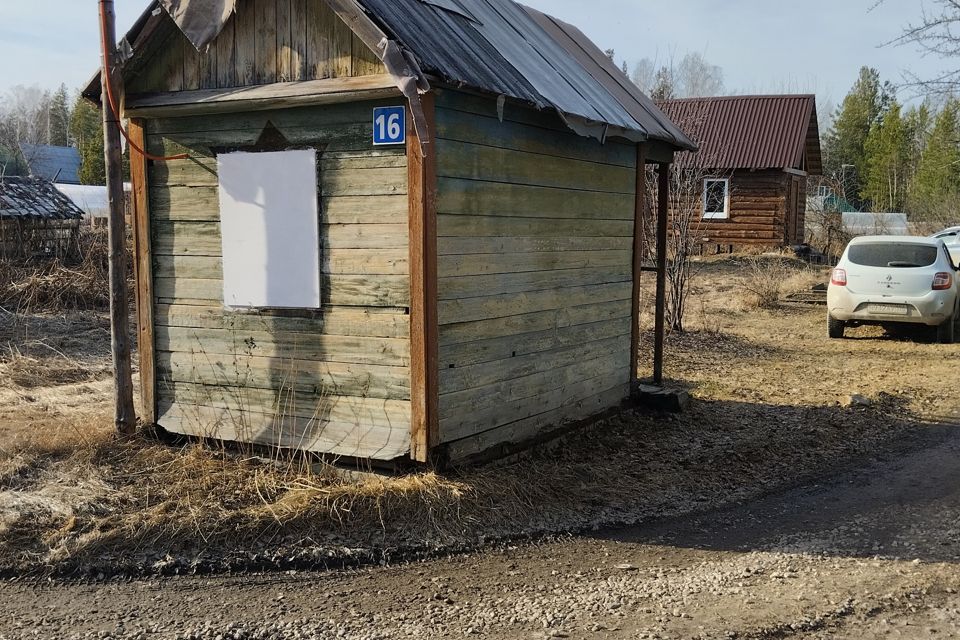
<point x="661" y="399"/>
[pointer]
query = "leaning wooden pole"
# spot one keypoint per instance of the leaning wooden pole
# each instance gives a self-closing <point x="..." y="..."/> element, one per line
<point x="663" y="213"/>
<point x="124" y="417"/>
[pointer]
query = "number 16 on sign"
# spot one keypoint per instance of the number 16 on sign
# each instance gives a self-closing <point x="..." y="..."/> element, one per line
<point x="389" y="125"/>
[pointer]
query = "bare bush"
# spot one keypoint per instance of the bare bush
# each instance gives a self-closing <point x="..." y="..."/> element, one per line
<point x="686" y="234"/>
<point x="824" y="222"/>
<point x="932" y="217"/>
<point x="58" y="285"/>
<point x="771" y="277"/>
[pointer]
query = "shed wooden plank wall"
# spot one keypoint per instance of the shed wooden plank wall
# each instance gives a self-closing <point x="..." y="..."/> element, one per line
<point x="758" y="210"/>
<point x="535" y="231"/>
<point x="337" y="380"/>
<point x="267" y="41"/>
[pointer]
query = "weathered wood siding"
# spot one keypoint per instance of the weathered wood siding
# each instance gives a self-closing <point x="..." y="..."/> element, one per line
<point x="337" y="380"/>
<point x="758" y="210"/>
<point x="267" y="41"/>
<point x="535" y="231"/>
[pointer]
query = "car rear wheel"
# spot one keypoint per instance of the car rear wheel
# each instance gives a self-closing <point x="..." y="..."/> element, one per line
<point x="835" y="327"/>
<point x="947" y="332"/>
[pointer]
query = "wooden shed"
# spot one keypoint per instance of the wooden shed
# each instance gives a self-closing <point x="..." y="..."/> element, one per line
<point x="405" y="229"/>
<point x="36" y="220"/>
<point x="754" y="158"/>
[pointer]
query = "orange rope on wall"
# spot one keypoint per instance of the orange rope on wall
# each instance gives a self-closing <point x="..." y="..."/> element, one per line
<point x="111" y="102"/>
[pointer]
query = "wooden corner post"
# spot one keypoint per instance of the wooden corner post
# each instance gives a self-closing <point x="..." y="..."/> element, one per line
<point x="639" y="220"/>
<point x="663" y="213"/>
<point x="424" y="321"/>
<point x="143" y="273"/>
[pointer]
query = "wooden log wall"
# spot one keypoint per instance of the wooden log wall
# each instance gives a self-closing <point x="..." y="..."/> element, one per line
<point x="801" y="235"/>
<point x="535" y="233"/>
<point x="758" y="209"/>
<point x="336" y="380"/>
<point x="267" y="41"/>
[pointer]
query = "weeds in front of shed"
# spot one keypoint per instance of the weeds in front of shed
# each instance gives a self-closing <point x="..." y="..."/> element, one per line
<point x="80" y="282"/>
<point x="771" y="277"/>
<point x="711" y="322"/>
<point x="37" y="351"/>
<point x="142" y="498"/>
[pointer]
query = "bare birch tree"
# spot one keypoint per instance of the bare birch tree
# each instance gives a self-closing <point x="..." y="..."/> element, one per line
<point x="936" y="33"/>
<point x="686" y="232"/>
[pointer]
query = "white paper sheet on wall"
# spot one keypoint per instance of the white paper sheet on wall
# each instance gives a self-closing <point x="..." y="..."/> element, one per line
<point x="270" y="228"/>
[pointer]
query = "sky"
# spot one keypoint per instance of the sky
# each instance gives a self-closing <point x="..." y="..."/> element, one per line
<point x="815" y="46"/>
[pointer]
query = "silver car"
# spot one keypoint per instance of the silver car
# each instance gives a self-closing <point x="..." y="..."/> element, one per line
<point x="948" y="235"/>
<point x="889" y="280"/>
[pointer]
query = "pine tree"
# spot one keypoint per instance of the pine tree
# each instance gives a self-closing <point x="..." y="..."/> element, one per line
<point x="846" y="141"/>
<point x="917" y="122"/>
<point x="59" y="118"/>
<point x="938" y="174"/>
<point x="86" y="130"/>
<point x="663" y="88"/>
<point x="886" y="151"/>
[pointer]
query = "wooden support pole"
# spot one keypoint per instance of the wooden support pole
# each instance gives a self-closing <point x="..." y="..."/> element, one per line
<point x="124" y="415"/>
<point x="639" y="218"/>
<point x="424" y="329"/>
<point x="663" y="212"/>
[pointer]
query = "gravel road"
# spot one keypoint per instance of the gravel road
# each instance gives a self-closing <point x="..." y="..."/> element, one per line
<point x="872" y="554"/>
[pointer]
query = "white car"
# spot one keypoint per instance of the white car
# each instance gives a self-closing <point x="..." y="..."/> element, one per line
<point x="948" y="235"/>
<point x="895" y="280"/>
<point x="951" y="237"/>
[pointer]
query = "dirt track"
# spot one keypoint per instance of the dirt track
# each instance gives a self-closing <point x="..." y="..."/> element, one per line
<point x="873" y="554"/>
<point x="836" y="559"/>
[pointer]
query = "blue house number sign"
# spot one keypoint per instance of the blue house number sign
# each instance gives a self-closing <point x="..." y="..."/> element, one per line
<point x="389" y="125"/>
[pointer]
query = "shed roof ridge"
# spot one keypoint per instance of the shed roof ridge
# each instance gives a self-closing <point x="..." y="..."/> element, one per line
<point x="537" y="63"/>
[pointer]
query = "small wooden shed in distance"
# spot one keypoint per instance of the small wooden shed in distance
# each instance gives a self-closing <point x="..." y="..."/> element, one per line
<point x="406" y="229"/>
<point x="755" y="155"/>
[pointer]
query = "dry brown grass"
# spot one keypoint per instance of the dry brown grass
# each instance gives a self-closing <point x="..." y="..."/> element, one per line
<point x="57" y="286"/>
<point x="38" y="351"/>
<point x="74" y="496"/>
<point x="81" y="498"/>
<point x="30" y="373"/>
<point x="769" y="278"/>
<point x="149" y="496"/>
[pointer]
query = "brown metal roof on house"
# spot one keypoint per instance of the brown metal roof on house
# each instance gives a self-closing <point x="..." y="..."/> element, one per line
<point x="750" y="132"/>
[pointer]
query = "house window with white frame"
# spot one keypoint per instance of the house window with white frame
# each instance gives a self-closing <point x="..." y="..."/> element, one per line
<point x="716" y="199"/>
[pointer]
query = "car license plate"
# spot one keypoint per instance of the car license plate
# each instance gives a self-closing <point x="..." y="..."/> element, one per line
<point x="888" y="309"/>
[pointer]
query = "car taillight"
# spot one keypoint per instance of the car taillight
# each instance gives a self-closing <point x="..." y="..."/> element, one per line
<point x="942" y="281"/>
<point x="839" y="278"/>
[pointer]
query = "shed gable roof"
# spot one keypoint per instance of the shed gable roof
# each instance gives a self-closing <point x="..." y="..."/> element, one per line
<point x="495" y="46"/>
<point x="750" y="132"/>
<point x="34" y="199"/>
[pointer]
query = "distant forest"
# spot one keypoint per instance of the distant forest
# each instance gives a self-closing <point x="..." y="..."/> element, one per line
<point x="34" y="116"/>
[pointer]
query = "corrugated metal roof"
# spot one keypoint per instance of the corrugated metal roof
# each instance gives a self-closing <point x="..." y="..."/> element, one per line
<point x="495" y="46"/>
<point x="35" y="199"/>
<point x="56" y="164"/>
<point x="508" y="49"/>
<point x="750" y="132"/>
